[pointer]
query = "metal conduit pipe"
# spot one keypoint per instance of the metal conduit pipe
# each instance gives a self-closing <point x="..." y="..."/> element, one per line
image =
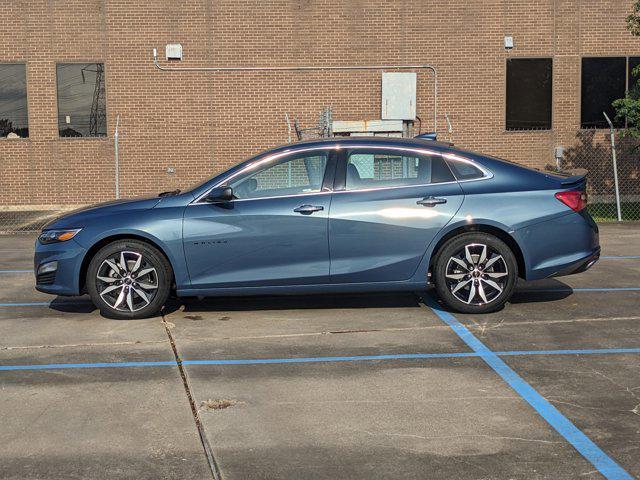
<point x="310" y="69"/>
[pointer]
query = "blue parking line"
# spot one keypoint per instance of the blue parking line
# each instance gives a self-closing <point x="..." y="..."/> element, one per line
<point x="620" y="257"/>
<point x="583" y="444"/>
<point x="44" y="304"/>
<point x="356" y="358"/>
<point x="16" y="271"/>
<point x="576" y="290"/>
<point x="616" y="289"/>
<point x="25" y="304"/>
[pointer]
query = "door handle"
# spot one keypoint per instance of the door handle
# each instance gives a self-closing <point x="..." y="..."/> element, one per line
<point x="431" y="201"/>
<point x="308" y="209"/>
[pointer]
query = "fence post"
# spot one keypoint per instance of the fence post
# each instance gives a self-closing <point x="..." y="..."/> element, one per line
<point x="115" y="141"/>
<point x="615" y="165"/>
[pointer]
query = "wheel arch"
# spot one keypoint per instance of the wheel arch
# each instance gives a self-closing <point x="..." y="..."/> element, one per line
<point x="112" y="238"/>
<point x="498" y="232"/>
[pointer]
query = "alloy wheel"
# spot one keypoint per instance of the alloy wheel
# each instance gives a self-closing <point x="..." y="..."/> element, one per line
<point x="127" y="281"/>
<point x="476" y="274"/>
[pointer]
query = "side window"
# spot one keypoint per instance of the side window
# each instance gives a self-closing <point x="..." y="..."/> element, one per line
<point x="14" y="121"/>
<point x="294" y="175"/>
<point x="389" y="168"/>
<point x="464" y="170"/>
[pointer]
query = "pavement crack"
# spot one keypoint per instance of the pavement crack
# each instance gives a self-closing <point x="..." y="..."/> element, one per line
<point x="631" y="390"/>
<point x="208" y="451"/>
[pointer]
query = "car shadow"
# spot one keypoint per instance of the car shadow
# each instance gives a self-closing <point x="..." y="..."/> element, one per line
<point x="548" y="290"/>
<point x="72" y="305"/>
<point x="294" y="302"/>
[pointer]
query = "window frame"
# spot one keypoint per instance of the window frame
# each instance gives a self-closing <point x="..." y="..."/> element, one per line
<point x="106" y="101"/>
<point x="341" y="170"/>
<point x="506" y="76"/>
<point x="26" y="89"/>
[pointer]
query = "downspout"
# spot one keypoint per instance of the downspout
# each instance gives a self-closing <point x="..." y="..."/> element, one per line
<point x="311" y="69"/>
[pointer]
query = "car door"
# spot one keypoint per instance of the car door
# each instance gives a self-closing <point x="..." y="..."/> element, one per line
<point x="274" y="231"/>
<point x="388" y="206"/>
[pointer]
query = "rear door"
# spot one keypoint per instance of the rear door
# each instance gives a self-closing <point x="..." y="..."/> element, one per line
<point x="388" y="206"/>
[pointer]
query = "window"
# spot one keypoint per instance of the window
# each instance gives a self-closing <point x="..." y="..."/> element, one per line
<point x="81" y="100"/>
<point x="464" y="170"/>
<point x="603" y="81"/>
<point x="388" y="168"/>
<point x="298" y="174"/>
<point x="529" y="82"/>
<point x="13" y="101"/>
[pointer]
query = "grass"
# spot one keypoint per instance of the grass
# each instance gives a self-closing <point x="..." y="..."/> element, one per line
<point x="606" y="212"/>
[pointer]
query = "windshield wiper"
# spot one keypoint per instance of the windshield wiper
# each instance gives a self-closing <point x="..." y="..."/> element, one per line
<point x="170" y="193"/>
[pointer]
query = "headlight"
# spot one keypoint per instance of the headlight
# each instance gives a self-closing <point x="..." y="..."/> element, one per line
<point x="54" y="236"/>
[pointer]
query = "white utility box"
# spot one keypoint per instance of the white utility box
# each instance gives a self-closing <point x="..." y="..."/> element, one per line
<point x="173" y="51"/>
<point x="399" y="95"/>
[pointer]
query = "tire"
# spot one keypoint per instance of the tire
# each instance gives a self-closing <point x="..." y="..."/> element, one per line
<point x="481" y="286"/>
<point x="138" y="291"/>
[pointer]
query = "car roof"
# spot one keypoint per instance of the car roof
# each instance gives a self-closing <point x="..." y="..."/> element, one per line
<point x="355" y="141"/>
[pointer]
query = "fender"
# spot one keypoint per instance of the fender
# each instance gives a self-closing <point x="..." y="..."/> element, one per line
<point x="172" y="249"/>
<point x="460" y="222"/>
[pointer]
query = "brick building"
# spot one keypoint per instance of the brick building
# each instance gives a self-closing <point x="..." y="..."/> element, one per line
<point x="69" y="68"/>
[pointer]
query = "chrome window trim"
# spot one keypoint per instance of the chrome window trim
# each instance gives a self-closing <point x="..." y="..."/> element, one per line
<point x="336" y="146"/>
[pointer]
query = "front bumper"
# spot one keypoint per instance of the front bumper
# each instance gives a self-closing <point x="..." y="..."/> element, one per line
<point x="65" y="279"/>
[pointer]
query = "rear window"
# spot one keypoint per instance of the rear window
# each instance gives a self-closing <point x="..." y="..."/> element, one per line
<point x="464" y="170"/>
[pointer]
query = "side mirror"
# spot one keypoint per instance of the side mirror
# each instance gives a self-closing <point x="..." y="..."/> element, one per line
<point x="219" y="195"/>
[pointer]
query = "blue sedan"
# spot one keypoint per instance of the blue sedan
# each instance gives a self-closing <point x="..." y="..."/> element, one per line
<point x="326" y="216"/>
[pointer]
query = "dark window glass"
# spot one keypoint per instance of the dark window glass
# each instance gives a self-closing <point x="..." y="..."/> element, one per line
<point x="382" y="168"/>
<point x="13" y="100"/>
<point x="81" y="100"/>
<point x="633" y="79"/>
<point x="603" y="81"/>
<point x="464" y="170"/>
<point x="529" y="82"/>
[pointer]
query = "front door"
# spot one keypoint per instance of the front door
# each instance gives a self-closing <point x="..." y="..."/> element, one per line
<point x="388" y="206"/>
<point x="273" y="233"/>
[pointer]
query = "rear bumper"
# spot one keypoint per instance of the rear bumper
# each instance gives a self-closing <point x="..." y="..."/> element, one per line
<point x="579" y="266"/>
<point x="564" y="245"/>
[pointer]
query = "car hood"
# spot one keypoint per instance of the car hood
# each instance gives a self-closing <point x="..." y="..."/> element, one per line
<point x="76" y="218"/>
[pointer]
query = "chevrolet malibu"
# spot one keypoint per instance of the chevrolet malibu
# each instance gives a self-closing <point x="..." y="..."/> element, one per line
<point x="328" y="216"/>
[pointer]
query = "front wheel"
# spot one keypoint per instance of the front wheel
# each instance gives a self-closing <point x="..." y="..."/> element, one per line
<point x="129" y="279"/>
<point x="475" y="273"/>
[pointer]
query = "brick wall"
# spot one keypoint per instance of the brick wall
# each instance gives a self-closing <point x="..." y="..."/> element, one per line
<point x="199" y="123"/>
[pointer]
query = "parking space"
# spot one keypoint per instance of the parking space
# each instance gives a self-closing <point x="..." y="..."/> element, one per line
<point x="349" y="386"/>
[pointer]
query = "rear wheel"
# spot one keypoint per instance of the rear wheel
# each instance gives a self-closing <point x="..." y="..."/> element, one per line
<point x="475" y="273"/>
<point x="129" y="279"/>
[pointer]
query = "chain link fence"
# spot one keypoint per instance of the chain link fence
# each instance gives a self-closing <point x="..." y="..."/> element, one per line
<point x="593" y="152"/>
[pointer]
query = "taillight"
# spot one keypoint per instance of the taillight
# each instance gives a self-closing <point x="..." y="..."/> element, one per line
<point x="576" y="200"/>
